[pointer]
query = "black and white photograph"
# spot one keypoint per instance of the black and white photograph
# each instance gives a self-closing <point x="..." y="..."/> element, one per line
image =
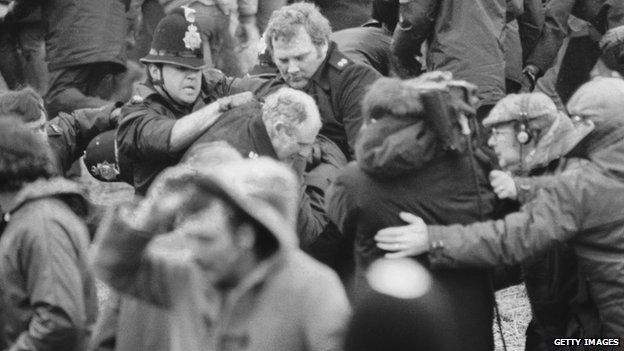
<point x="318" y="175"/>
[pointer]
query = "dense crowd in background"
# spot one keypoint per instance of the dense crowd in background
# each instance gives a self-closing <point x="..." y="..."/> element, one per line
<point x="338" y="175"/>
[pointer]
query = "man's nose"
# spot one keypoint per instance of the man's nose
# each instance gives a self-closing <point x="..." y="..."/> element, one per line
<point x="293" y="67"/>
<point x="192" y="74"/>
<point x="492" y="140"/>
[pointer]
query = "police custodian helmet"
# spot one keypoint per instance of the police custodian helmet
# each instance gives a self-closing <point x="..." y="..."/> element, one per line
<point x="102" y="161"/>
<point x="177" y="41"/>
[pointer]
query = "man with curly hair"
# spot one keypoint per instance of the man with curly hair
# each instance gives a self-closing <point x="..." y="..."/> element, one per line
<point x="297" y="37"/>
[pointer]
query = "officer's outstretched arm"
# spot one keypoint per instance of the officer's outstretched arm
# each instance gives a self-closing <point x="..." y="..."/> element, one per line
<point x="188" y="128"/>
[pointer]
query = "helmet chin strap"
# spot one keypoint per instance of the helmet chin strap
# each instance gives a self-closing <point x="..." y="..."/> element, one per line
<point x="160" y="83"/>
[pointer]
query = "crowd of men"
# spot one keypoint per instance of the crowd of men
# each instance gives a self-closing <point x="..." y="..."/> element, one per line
<point x="366" y="188"/>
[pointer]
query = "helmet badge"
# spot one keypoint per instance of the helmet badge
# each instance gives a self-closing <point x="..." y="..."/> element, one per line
<point x="192" y="40"/>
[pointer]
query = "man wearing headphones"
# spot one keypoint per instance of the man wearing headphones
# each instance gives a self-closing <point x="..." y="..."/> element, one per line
<point x="178" y="107"/>
<point x="577" y="203"/>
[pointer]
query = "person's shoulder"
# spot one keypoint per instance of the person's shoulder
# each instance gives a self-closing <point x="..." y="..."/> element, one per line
<point x="141" y="107"/>
<point x="36" y="220"/>
<point x="303" y="271"/>
<point x="339" y="61"/>
<point x="351" y="176"/>
<point x="349" y="72"/>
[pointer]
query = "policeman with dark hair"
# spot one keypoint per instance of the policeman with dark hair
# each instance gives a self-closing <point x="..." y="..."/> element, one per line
<point x="177" y="107"/>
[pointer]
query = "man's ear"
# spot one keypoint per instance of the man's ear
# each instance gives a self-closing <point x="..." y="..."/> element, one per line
<point x="322" y="49"/>
<point x="281" y="129"/>
<point x="246" y="236"/>
<point x="155" y="72"/>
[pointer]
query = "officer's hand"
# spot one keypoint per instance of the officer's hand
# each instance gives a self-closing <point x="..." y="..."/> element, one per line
<point x="232" y="101"/>
<point x="405" y="241"/>
<point x="503" y="185"/>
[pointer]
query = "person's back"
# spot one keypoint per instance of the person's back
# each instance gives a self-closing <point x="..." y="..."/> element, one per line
<point x="401" y="167"/>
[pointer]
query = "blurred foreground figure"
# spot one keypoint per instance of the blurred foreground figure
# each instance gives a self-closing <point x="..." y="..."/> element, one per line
<point x="48" y="298"/>
<point x="239" y="281"/>
<point x="583" y="206"/>
<point x="417" y="311"/>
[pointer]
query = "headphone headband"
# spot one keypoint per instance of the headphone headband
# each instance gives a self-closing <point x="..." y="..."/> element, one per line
<point x="524" y="135"/>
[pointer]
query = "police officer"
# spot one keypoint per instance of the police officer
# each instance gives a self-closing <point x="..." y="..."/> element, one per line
<point x="298" y="38"/>
<point x="177" y="108"/>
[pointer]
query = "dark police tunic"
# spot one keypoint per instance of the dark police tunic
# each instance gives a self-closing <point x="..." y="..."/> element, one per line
<point x="144" y="132"/>
<point x="338" y="87"/>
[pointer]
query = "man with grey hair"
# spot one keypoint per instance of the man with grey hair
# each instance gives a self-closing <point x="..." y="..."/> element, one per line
<point x="284" y="128"/>
<point x="237" y="223"/>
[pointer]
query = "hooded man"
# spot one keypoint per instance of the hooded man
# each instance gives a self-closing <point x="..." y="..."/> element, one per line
<point x="240" y="282"/>
<point x="48" y="299"/>
<point x="582" y="205"/>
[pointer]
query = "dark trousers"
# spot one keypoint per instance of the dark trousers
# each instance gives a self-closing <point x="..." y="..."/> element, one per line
<point x="83" y="86"/>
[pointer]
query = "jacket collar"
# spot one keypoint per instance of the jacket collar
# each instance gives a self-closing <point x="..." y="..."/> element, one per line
<point x="260" y="138"/>
<point x="561" y="138"/>
<point x="148" y="92"/>
<point x="43" y="188"/>
<point x="321" y="76"/>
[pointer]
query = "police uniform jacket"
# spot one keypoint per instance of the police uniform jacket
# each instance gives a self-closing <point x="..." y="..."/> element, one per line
<point x="144" y="132"/>
<point x="69" y="134"/>
<point x="338" y="87"/>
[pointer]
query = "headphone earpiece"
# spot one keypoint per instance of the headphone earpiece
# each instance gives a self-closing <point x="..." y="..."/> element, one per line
<point x="524" y="135"/>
